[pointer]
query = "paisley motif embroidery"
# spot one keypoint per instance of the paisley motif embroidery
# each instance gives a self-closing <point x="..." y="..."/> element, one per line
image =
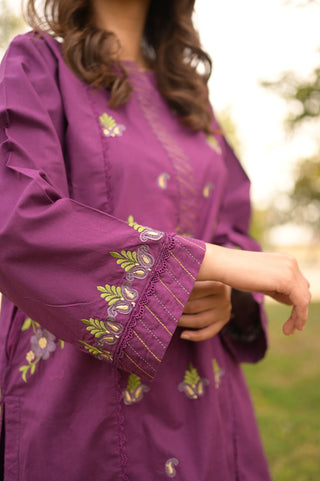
<point x="136" y="264"/>
<point x="110" y="127"/>
<point x="214" y="144"/>
<point x="171" y="465"/>
<point x="193" y="386"/>
<point x="120" y="299"/>
<point x="134" y="391"/>
<point x="42" y="345"/>
<point x="145" y="232"/>
<point x="107" y="332"/>
<point x="218" y="373"/>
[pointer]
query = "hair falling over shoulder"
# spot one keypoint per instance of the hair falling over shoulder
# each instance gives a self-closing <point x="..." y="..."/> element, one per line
<point x="171" y="44"/>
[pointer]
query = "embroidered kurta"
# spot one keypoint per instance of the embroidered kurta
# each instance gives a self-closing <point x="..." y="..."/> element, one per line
<point x="103" y="218"/>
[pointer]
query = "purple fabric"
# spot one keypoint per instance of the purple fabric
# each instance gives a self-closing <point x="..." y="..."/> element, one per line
<point x="103" y="215"/>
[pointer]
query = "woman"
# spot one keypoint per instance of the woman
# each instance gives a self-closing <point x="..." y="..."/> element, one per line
<point x="102" y="134"/>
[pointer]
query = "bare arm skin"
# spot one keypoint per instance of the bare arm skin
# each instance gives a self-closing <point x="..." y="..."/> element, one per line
<point x="276" y="275"/>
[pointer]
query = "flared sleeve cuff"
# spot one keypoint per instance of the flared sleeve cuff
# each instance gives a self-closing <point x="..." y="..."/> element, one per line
<point x="138" y="344"/>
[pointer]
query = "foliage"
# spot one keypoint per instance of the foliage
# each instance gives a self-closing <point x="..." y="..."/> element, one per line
<point x="302" y="94"/>
<point x="303" y="97"/>
<point x="305" y="196"/>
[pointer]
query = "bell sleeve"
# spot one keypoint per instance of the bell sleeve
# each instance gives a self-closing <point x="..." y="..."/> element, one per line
<point x="115" y="290"/>
<point x="245" y="334"/>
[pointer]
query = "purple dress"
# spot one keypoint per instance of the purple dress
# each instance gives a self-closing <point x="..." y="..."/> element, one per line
<point x="103" y="218"/>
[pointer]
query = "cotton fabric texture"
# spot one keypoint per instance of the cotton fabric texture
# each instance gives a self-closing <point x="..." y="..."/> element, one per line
<point x="103" y="218"/>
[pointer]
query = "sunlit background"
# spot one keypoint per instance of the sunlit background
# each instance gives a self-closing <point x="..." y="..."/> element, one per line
<point x="254" y="43"/>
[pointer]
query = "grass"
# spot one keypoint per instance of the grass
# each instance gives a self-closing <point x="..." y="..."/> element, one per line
<point x="285" y="388"/>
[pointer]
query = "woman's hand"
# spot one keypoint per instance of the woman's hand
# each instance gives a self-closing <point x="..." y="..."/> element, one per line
<point x="207" y="310"/>
<point x="276" y="275"/>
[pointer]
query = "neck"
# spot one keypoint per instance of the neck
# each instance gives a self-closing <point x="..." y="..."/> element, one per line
<point x="126" y="19"/>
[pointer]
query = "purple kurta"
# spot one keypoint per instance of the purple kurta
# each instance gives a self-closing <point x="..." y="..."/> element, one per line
<point x="96" y="383"/>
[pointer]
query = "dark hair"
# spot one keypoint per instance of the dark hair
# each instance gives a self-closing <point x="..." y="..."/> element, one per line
<point x="171" y="44"/>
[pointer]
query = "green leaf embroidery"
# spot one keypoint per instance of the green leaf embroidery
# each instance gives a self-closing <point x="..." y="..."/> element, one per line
<point x="24" y="370"/>
<point x="133" y="382"/>
<point x="135" y="225"/>
<point x="62" y="344"/>
<point x="31" y="366"/>
<point x="97" y="328"/>
<point x="96" y="351"/>
<point x="127" y="260"/>
<point x="107" y="121"/>
<point x="215" y="366"/>
<point x="27" y="324"/>
<point x="30" y="323"/>
<point x="110" y="294"/>
<point x="191" y="376"/>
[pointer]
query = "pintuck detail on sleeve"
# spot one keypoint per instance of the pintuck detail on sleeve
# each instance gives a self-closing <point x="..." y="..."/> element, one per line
<point x="160" y="306"/>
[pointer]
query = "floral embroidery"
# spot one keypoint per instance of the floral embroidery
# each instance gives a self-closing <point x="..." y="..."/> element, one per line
<point x="108" y="333"/>
<point x="98" y="352"/>
<point x="218" y="373"/>
<point x="43" y="343"/>
<point x="134" y="391"/>
<point x="163" y="180"/>
<point x="171" y="467"/>
<point x="214" y="144"/>
<point x="120" y="299"/>
<point x="145" y="232"/>
<point x="110" y="126"/>
<point x="207" y="190"/>
<point x="193" y="386"/>
<point x="136" y="264"/>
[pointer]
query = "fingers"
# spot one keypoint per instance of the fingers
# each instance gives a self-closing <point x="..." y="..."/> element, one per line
<point x="289" y="327"/>
<point x="297" y="320"/>
<point x="206" y="288"/>
<point x="205" y="333"/>
<point x="301" y="297"/>
<point x="195" y="306"/>
<point x="206" y="296"/>
<point x="294" y="289"/>
<point x="205" y="324"/>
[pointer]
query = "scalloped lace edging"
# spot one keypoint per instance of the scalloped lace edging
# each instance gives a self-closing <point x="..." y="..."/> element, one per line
<point x="160" y="268"/>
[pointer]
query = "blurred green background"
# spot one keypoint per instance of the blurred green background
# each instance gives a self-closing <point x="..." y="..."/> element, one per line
<point x="285" y="388"/>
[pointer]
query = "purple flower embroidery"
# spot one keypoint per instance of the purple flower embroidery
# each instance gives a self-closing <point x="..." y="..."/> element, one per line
<point x="43" y="343"/>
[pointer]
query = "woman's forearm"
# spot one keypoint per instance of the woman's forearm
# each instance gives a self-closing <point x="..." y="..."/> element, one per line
<point x="277" y="275"/>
